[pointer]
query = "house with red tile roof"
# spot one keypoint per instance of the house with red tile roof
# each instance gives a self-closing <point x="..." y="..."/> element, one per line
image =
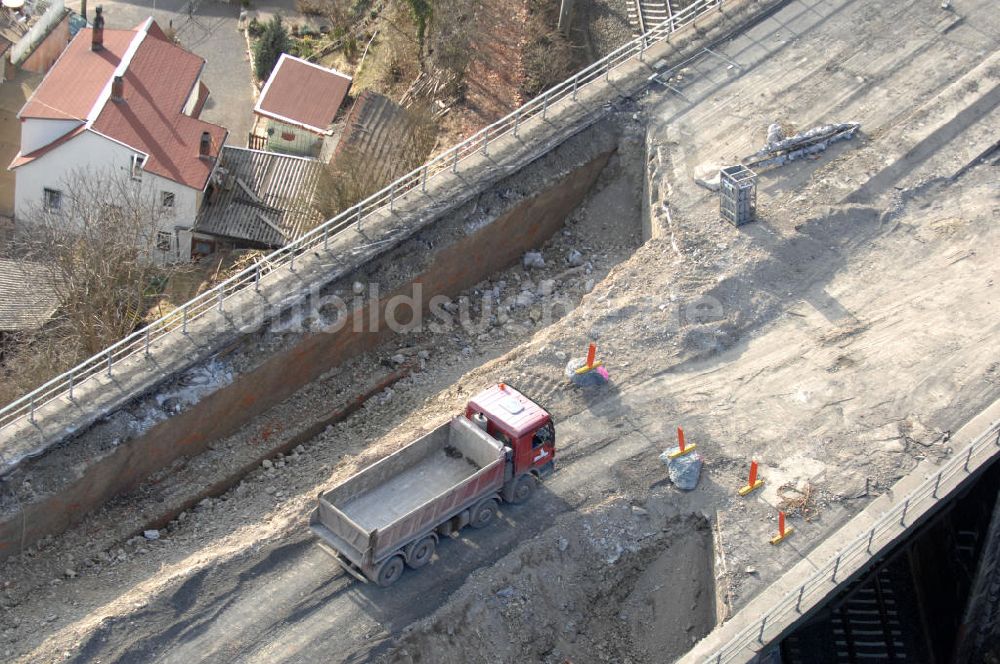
<point x="121" y="103"/>
<point x="299" y="103"/>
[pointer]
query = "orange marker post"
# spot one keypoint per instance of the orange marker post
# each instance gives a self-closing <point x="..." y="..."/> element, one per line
<point x="592" y="362"/>
<point x="682" y="449"/>
<point x="782" y="531"/>
<point x="753" y="483"/>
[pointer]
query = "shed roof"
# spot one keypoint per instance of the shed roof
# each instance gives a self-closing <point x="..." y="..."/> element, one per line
<point x="262" y="198"/>
<point x="303" y="94"/>
<point x="28" y="298"/>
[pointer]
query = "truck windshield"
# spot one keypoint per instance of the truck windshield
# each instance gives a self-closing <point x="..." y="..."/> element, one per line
<point x="544" y="435"/>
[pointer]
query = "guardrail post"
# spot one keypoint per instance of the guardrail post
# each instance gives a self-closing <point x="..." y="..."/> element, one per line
<point x="998" y="437"/>
<point x="607" y="71"/>
<point x="291" y="262"/>
<point x="109" y="362"/>
<point x="798" y="602"/>
<point x="937" y="483"/>
<point x="576" y="84"/>
<point x="968" y="458"/>
<point x="256" y="278"/>
<point x="70" y="379"/>
<point x="219" y="303"/>
<point x="454" y="162"/>
<point x="392" y="196"/>
<point x="326" y="238"/>
<point x="423" y="180"/>
<point x="545" y="106"/>
<point x="906" y="506"/>
<point x="871" y="536"/>
<point x="359" y="217"/>
<point x="836" y="568"/>
<point x="763" y="624"/>
<point x="31" y="412"/>
<point x="517" y="121"/>
<point x="146" y="343"/>
<point x="184" y="319"/>
<point x="486" y="140"/>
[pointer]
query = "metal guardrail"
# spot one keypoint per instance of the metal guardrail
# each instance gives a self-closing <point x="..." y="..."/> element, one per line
<point x="855" y="554"/>
<point x="142" y="340"/>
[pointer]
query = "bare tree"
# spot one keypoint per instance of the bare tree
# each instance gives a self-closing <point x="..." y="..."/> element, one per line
<point x="99" y="243"/>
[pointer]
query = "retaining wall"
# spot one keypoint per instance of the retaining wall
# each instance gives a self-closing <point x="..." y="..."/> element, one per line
<point x="449" y="270"/>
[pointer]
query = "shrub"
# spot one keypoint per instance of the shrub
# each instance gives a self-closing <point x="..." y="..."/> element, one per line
<point x="273" y="42"/>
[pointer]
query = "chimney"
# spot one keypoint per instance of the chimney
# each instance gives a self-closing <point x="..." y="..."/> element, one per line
<point x="205" y="147"/>
<point x="97" y="35"/>
<point x="118" y="89"/>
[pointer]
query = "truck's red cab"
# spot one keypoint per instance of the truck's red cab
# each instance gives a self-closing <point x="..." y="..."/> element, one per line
<point x="520" y="423"/>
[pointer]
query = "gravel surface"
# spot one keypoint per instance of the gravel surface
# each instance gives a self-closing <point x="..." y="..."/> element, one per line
<point x="602" y="25"/>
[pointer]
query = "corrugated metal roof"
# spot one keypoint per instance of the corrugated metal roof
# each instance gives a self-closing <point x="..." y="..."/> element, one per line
<point x="262" y="198"/>
<point x="27" y="297"/>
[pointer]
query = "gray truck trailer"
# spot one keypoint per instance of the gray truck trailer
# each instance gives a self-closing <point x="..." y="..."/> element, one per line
<point x="391" y="514"/>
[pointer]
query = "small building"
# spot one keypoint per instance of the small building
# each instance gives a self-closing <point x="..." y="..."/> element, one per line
<point x="257" y="199"/>
<point x="38" y="35"/>
<point x="125" y="103"/>
<point x="298" y="104"/>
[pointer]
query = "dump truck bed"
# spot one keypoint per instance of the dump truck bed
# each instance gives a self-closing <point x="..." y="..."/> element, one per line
<point x="373" y="513"/>
<point x="430" y="477"/>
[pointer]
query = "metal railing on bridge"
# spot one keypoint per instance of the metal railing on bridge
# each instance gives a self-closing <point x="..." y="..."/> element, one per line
<point x="857" y="554"/>
<point x="141" y="341"/>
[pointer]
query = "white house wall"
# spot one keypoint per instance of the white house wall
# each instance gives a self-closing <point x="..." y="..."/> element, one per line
<point x="92" y="153"/>
<point x="37" y="133"/>
<point x="192" y="100"/>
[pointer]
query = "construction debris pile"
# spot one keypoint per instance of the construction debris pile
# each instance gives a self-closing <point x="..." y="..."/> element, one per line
<point x="780" y="150"/>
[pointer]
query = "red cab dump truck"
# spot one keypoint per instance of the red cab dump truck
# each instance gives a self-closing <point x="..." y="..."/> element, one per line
<point x="392" y="513"/>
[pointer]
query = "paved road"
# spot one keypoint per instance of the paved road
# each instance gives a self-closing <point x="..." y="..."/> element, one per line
<point x="210" y="30"/>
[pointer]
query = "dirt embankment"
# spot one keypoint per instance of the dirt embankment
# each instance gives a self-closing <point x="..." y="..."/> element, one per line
<point x="619" y="584"/>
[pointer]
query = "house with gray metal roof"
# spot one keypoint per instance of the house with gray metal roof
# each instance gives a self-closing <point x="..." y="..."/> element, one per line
<point x="257" y="199"/>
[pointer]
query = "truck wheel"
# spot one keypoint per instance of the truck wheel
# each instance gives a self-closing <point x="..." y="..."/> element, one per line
<point x="421" y="553"/>
<point x="524" y="487"/>
<point x="390" y="571"/>
<point x="484" y="513"/>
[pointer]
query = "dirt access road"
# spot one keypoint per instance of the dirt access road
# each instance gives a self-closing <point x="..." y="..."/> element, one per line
<point x="846" y="333"/>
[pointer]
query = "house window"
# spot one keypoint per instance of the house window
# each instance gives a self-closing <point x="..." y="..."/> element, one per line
<point x="52" y="199"/>
<point x="164" y="240"/>
<point x="167" y="199"/>
<point x="135" y="169"/>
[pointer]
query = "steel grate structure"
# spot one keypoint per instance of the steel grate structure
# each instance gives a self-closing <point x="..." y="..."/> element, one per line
<point x="738" y="195"/>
